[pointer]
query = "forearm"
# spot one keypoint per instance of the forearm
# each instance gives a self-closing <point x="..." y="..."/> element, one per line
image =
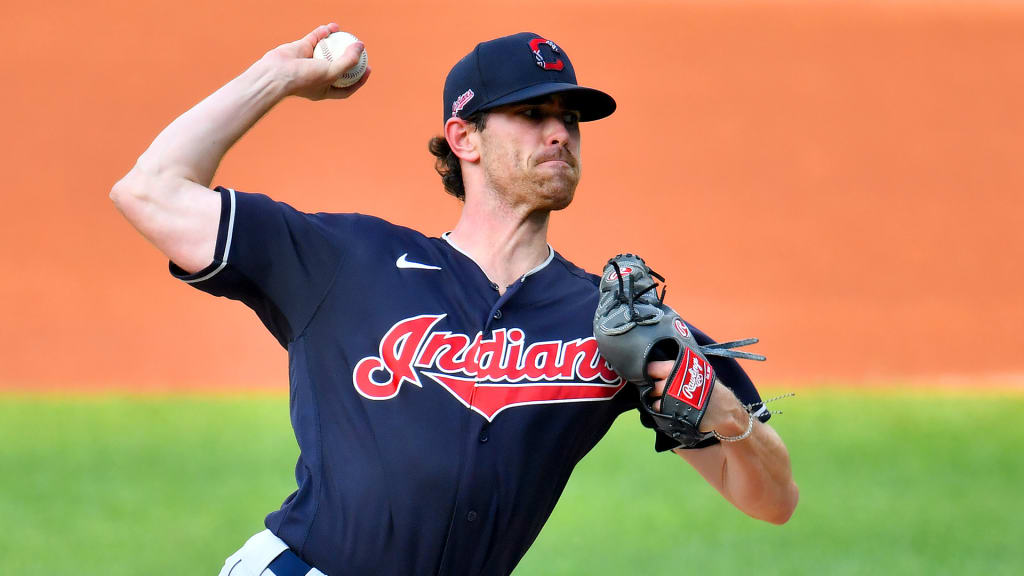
<point x="166" y="196"/>
<point x="192" y="146"/>
<point x="754" y="474"/>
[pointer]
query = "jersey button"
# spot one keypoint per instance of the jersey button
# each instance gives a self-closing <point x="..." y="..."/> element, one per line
<point x="471" y="516"/>
<point x="484" y="437"/>
<point x="497" y="315"/>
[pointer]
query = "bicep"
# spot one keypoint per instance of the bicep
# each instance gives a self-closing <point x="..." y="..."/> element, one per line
<point x="176" y="215"/>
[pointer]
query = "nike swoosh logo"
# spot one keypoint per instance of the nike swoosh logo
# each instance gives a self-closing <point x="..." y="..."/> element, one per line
<point x="403" y="262"/>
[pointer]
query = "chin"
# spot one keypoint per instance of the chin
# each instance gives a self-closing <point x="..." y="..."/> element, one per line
<point x="558" y="200"/>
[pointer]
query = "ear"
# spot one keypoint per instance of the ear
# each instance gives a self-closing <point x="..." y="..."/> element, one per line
<point x="463" y="139"/>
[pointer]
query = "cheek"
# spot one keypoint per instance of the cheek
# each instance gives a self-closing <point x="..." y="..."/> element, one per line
<point x="504" y="155"/>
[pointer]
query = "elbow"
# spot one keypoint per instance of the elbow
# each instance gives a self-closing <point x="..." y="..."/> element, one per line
<point x="124" y="190"/>
<point x="785" y="506"/>
<point x="118" y="194"/>
<point x="131" y="191"/>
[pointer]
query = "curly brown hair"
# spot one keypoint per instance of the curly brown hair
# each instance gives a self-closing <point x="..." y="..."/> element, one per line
<point x="447" y="163"/>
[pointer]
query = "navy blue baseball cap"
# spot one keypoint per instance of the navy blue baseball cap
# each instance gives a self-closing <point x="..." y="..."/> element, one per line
<point x="514" y="69"/>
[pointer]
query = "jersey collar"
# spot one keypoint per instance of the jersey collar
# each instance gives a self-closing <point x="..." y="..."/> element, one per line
<point x="538" y="268"/>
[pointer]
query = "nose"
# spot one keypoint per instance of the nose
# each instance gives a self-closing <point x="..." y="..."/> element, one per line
<point x="556" y="132"/>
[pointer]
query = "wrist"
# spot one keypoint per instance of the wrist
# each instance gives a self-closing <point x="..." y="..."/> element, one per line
<point x="737" y="437"/>
<point x="725" y="414"/>
<point x="266" y="81"/>
<point x="734" y="422"/>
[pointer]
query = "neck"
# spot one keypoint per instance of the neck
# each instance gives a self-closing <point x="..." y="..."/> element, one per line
<point x="504" y="243"/>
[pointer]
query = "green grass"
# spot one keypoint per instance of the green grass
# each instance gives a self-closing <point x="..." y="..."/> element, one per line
<point x="890" y="484"/>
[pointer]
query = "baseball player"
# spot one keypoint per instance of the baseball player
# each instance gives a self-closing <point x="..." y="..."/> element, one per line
<point x="442" y="389"/>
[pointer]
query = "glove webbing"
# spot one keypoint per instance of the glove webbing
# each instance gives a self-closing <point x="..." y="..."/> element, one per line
<point x="724" y="349"/>
<point x="629" y="299"/>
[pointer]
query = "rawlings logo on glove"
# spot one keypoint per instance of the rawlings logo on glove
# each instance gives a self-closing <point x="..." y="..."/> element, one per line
<point x="634" y="327"/>
<point x="690" y="382"/>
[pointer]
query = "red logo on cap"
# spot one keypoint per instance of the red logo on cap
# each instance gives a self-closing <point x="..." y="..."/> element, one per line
<point x="461" y="102"/>
<point x="535" y="45"/>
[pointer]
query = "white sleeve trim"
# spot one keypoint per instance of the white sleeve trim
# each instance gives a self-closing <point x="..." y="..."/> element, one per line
<point x="227" y="242"/>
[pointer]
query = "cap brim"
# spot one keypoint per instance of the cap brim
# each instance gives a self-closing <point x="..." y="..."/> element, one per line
<point x="592" y="104"/>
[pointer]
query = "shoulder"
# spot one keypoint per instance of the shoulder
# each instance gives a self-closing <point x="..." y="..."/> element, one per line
<point x="268" y="222"/>
<point x="572" y="281"/>
<point x="369" y="231"/>
<point x="330" y="223"/>
<point x="585" y="279"/>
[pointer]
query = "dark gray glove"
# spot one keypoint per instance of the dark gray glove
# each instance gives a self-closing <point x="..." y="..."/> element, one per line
<point x="633" y="327"/>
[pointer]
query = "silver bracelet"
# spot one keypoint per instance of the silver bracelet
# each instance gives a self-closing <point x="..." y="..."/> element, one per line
<point x="750" y="428"/>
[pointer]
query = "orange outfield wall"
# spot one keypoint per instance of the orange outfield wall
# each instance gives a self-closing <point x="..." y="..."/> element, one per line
<point x="842" y="179"/>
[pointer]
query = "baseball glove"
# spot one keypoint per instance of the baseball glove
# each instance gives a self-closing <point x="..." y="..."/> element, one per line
<point x="633" y="327"/>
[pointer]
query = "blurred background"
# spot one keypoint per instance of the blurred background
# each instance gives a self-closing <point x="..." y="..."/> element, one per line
<point x="842" y="179"/>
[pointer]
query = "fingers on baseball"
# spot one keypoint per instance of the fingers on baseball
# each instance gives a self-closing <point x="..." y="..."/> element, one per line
<point x="339" y="93"/>
<point x="348" y="59"/>
<point x="318" y="34"/>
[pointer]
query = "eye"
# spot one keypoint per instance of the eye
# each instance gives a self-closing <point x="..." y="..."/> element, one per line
<point x="531" y="113"/>
<point x="571" y="118"/>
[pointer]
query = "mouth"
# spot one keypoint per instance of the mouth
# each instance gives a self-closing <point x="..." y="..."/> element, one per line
<point x="557" y="159"/>
<point x="556" y="162"/>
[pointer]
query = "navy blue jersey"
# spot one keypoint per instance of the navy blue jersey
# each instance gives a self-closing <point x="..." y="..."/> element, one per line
<point x="437" y="420"/>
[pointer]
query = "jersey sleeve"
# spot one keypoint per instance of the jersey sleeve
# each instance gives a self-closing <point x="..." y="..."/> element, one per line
<point x="275" y="259"/>
<point x="732" y="375"/>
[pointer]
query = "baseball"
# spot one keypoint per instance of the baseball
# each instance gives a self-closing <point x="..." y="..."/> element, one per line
<point x="332" y="47"/>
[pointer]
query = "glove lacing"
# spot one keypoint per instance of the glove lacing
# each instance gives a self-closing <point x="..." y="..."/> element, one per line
<point x="630" y="299"/>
